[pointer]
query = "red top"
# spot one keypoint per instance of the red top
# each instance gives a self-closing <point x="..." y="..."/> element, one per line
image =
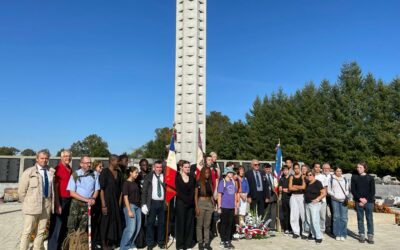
<point x="214" y="177"/>
<point x="62" y="178"/>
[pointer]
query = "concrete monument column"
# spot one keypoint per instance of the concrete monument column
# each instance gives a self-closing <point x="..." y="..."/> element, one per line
<point x="190" y="77"/>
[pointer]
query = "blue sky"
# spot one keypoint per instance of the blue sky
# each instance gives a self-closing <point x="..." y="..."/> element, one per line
<point x="72" y="68"/>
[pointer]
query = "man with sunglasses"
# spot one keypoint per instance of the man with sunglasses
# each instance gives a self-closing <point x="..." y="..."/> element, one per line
<point x="84" y="187"/>
<point x="258" y="187"/>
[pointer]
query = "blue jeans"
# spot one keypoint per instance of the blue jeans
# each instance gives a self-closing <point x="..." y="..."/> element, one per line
<point x="367" y="209"/>
<point x="313" y="219"/>
<point x="132" y="227"/>
<point x="339" y="218"/>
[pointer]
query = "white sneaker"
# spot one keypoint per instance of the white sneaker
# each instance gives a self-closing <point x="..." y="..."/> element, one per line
<point x="338" y="238"/>
<point x="342" y="238"/>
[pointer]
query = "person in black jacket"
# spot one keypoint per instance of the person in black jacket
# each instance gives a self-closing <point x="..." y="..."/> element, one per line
<point x="257" y="188"/>
<point x="184" y="208"/>
<point x="153" y="205"/>
<point x="363" y="191"/>
<point x="270" y="203"/>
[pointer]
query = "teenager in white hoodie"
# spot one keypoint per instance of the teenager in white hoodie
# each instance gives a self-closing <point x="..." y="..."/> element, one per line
<point x="338" y="189"/>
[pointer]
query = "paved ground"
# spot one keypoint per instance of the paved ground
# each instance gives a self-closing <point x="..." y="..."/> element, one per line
<point x="387" y="236"/>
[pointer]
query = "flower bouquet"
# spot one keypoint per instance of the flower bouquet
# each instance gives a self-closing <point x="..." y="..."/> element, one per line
<point x="253" y="227"/>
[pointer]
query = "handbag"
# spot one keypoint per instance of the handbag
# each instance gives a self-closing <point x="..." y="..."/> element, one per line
<point x="346" y="200"/>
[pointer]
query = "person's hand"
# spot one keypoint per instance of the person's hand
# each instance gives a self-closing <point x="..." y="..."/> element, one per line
<point x="285" y="190"/>
<point x="91" y="201"/>
<point x="197" y="212"/>
<point x="361" y="204"/>
<point x="249" y="199"/>
<point x="104" y="210"/>
<point x="219" y="210"/>
<point x="131" y="214"/>
<point x="59" y="209"/>
<point x="267" y="200"/>
<point x="145" y="210"/>
<point x="315" y="201"/>
<point x="363" y="200"/>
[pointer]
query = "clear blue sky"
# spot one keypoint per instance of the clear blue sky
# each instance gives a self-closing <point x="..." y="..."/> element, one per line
<point x="72" y="68"/>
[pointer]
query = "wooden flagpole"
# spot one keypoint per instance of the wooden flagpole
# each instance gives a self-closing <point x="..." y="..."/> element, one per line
<point x="167" y="227"/>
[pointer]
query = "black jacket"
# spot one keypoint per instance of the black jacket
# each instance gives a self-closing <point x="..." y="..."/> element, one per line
<point x="270" y="189"/>
<point x="253" y="185"/>
<point x="148" y="189"/>
<point x="363" y="187"/>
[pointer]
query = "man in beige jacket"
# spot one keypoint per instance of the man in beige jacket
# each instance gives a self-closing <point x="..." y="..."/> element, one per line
<point x="36" y="193"/>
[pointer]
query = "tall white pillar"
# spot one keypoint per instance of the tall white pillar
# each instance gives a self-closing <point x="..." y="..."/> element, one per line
<point x="190" y="77"/>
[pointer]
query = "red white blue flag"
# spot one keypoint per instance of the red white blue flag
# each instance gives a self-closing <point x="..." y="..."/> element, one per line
<point x="170" y="172"/>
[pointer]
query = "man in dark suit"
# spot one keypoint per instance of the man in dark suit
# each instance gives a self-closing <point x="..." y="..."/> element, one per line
<point x="257" y="188"/>
<point x="271" y="201"/>
<point x="153" y="205"/>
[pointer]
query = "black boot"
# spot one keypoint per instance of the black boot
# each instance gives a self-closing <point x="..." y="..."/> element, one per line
<point x="207" y="246"/>
<point x="200" y="245"/>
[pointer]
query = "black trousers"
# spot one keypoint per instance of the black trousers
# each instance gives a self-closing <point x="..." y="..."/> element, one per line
<point x="271" y="214"/>
<point x="227" y="215"/>
<point x="285" y="221"/>
<point x="156" y="211"/>
<point x="58" y="225"/>
<point x="184" y="224"/>
<point x="258" y="203"/>
<point x="329" y="204"/>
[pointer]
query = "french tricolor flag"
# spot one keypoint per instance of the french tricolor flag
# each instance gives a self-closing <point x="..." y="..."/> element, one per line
<point x="170" y="172"/>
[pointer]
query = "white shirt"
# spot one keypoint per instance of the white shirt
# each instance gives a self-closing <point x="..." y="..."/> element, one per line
<point x="49" y="177"/>
<point x="324" y="180"/>
<point x="154" y="195"/>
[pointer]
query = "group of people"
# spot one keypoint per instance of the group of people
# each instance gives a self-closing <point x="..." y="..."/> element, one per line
<point x="307" y="194"/>
<point x="128" y="207"/>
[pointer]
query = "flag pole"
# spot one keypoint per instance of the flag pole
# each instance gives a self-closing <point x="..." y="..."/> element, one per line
<point x="168" y="203"/>
<point x="166" y="229"/>
<point x="279" y="194"/>
<point x="89" y="227"/>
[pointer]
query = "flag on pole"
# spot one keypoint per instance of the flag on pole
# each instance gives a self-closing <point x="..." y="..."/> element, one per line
<point x="278" y="161"/>
<point x="170" y="172"/>
<point x="278" y="166"/>
<point x="200" y="156"/>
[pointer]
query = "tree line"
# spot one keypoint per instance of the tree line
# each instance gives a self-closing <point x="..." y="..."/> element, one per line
<point x="92" y="145"/>
<point x="355" y="119"/>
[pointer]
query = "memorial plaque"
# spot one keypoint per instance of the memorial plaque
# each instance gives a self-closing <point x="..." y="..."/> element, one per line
<point x="9" y="170"/>
<point x="29" y="162"/>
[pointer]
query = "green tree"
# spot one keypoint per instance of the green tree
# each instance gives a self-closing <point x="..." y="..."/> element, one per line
<point x="236" y="143"/>
<point x="138" y="153"/>
<point x="157" y="148"/>
<point x="93" y="145"/>
<point x="28" y="152"/>
<point x="8" y="151"/>
<point x="216" y="126"/>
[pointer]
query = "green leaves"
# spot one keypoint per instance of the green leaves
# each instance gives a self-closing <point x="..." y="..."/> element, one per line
<point x="93" y="145"/>
<point x="8" y="151"/>
<point x="358" y="118"/>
